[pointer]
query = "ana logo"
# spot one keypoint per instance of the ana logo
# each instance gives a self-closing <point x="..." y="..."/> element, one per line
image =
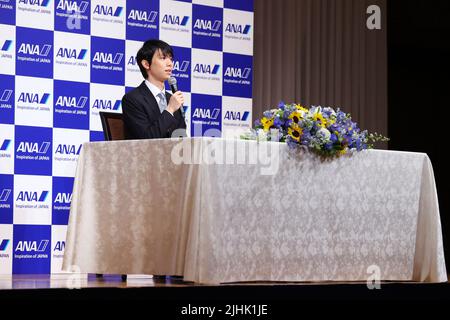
<point x="103" y="57"/>
<point x="68" y="149"/>
<point x="40" y="3"/>
<point x="106" y="104"/>
<point x="237" y="28"/>
<point x="71" y="102"/>
<point x="33" y="98"/>
<point x="67" y="5"/>
<point x="237" y="72"/>
<point x="143" y="15"/>
<point x="33" y="147"/>
<point x="236" y="115"/>
<point x="5" y="144"/>
<point x="6" y="95"/>
<point x="206" y="113"/>
<point x="59" y="246"/>
<point x="181" y="66"/>
<point x="132" y="61"/>
<point x="178" y="20"/>
<point x="32" y="196"/>
<point x="71" y="53"/>
<point x="206" y="68"/>
<point x="6" y="45"/>
<point x="108" y="11"/>
<point x="4" y="196"/>
<point x="35" y="49"/>
<point x="63" y="197"/>
<point x="4" y="244"/>
<point x="32" y="245"/>
<point x="207" y="24"/>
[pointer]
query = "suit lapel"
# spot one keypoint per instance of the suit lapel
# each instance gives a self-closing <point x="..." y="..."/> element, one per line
<point x="175" y="114"/>
<point x="150" y="101"/>
<point x="168" y="95"/>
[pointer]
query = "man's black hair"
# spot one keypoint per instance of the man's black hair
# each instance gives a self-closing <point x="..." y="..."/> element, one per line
<point x="148" y="50"/>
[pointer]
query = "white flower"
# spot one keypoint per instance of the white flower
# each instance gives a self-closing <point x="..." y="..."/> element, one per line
<point x="249" y="134"/>
<point x="330" y="110"/>
<point x="315" y="109"/>
<point x="324" y="134"/>
<point x="262" y="136"/>
<point x="274" y="134"/>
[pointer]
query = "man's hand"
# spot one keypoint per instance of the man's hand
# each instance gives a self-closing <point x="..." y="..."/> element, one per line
<point x="175" y="102"/>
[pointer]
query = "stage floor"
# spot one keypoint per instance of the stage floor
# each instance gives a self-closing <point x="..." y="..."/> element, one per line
<point x="109" y="294"/>
<point x="82" y="281"/>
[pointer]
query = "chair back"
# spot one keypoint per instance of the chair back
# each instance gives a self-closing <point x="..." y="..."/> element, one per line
<point x="112" y="124"/>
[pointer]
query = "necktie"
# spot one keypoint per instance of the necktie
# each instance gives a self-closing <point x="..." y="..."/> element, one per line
<point x="162" y="102"/>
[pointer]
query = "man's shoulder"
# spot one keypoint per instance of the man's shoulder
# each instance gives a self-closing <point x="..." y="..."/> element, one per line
<point x="134" y="93"/>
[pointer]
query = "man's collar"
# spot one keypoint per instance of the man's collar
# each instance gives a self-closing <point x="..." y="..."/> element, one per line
<point x="154" y="89"/>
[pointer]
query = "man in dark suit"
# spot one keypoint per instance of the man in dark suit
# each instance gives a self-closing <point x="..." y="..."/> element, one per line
<point x="149" y="111"/>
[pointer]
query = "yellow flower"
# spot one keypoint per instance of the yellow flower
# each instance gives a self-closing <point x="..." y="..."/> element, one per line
<point x="342" y="152"/>
<point x="267" y="123"/>
<point x="295" y="116"/>
<point x="319" y="118"/>
<point x="295" y="132"/>
<point x="329" y="122"/>
<point x="301" y="108"/>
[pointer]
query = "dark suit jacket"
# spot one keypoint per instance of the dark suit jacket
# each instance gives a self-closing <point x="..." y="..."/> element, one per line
<point x="142" y="118"/>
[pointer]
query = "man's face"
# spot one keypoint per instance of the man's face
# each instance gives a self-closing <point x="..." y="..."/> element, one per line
<point x="161" y="66"/>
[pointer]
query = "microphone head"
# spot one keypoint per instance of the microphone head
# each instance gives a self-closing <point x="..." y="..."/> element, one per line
<point x="172" y="80"/>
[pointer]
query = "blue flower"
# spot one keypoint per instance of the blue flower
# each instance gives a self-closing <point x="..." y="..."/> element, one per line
<point x="358" y="144"/>
<point x="306" y="138"/>
<point x="288" y="123"/>
<point x="291" y="142"/>
<point x="278" y="122"/>
<point x="268" y="114"/>
<point x="333" y="138"/>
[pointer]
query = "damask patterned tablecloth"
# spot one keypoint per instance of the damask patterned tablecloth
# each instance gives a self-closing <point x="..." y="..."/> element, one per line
<point x="219" y="211"/>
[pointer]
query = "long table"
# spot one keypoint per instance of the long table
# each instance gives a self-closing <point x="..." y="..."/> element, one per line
<point x="217" y="211"/>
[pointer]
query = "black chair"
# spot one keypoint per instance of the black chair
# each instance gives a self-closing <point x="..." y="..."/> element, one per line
<point x="112" y="124"/>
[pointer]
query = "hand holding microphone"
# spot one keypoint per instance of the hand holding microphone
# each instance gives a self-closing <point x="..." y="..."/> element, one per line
<point x="177" y="100"/>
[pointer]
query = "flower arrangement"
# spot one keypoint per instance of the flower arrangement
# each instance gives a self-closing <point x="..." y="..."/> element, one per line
<point x="323" y="130"/>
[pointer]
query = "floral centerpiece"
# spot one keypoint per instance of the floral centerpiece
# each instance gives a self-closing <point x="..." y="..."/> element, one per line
<point x="323" y="130"/>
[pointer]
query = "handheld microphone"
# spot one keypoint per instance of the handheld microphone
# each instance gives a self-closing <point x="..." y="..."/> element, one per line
<point x="173" y="86"/>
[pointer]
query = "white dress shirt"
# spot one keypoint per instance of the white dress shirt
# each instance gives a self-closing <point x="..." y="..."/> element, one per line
<point x="155" y="91"/>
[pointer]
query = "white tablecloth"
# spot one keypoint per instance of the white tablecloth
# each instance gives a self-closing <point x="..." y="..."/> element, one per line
<point x="135" y="210"/>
